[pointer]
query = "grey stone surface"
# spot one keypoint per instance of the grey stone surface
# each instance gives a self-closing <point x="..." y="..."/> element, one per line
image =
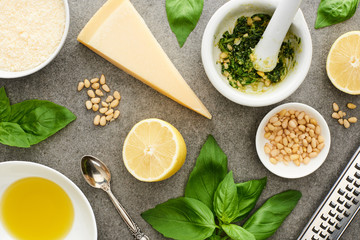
<point x="233" y="126"/>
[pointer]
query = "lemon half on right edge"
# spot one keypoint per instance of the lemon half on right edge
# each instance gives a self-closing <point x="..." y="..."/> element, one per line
<point x="154" y="150"/>
<point x="343" y="63"/>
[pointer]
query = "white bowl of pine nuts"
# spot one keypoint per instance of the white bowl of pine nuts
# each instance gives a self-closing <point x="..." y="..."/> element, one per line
<point x="293" y="140"/>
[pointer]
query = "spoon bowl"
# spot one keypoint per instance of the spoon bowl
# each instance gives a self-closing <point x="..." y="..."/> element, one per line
<point x="97" y="175"/>
<point x="95" y="172"/>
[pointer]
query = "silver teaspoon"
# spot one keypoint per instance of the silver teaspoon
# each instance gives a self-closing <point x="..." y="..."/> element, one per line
<point x="98" y="175"/>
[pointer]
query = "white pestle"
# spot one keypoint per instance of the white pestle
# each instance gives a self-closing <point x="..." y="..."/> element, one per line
<point x="266" y="52"/>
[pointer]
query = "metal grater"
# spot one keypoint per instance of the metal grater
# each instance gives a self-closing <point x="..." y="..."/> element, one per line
<point x="339" y="207"/>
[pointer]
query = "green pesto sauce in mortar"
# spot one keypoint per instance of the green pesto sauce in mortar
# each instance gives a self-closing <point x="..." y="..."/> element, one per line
<point x="236" y="54"/>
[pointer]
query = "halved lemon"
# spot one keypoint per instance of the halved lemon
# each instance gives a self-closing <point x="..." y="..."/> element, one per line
<point x="154" y="150"/>
<point x="343" y="63"/>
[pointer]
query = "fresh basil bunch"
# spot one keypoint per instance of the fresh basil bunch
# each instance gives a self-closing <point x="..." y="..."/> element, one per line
<point x="213" y="203"/>
<point x="30" y="122"/>
<point x="331" y="12"/>
<point x="183" y="16"/>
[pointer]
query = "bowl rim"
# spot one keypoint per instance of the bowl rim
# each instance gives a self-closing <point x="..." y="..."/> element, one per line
<point x="292" y="171"/>
<point x="207" y="46"/>
<point x="11" y="75"/>
<point x="32" y="169"/>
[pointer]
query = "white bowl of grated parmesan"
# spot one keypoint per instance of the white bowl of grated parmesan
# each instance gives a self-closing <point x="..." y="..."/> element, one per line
<point x="32" y="34"/>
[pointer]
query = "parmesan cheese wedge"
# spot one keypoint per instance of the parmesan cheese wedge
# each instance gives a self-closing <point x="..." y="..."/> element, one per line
<point x="119" y="34"/>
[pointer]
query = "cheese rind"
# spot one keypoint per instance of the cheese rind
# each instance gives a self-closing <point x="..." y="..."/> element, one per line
<point x="119" y="34"/>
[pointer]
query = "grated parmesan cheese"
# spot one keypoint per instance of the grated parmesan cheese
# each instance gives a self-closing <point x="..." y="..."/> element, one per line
<point x="30" y="32"/>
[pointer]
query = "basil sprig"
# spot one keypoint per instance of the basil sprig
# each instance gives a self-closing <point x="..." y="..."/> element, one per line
<point x="331" y="12"/>
<point x="30" y="122"/>
<point x="183" y="16"/>
<point x="213" y="202"/>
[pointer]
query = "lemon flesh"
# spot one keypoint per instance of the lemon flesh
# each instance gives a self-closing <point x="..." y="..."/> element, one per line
<point x="343" y="63"/>
<point x="154" y="150"/>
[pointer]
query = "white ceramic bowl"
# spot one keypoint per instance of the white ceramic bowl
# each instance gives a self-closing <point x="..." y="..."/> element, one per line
<point x="6" y="74"/>
<point x="84" y="226"/>
<point x="291" y="170"/>
<point x="224" y="19"/>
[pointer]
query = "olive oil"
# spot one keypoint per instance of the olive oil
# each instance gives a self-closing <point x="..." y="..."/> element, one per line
<point x="36" y="209"/>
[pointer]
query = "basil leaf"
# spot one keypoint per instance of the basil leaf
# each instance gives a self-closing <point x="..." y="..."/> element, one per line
<point x="214" y="237"/>
<point x="183" y="16"/>
<point x="248" y="194"/>
<point x="40" y="119"/>
<point x="331" y="12"/>
<point x="269" y="217"/>
<point x="182" y="219"/>
<point x="226" y="200"/>
<point x="12" y="134"/>
<point x="236" y="232"/>
<point x="4" y="105"/>
<point x="209" y="171"/>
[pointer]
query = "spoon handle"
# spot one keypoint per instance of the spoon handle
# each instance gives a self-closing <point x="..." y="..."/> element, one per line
<point x="135" y="230"/>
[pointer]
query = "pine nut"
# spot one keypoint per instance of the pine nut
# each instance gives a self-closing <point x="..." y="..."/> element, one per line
<point x="99" y="92"/>
<point x="341" y="121"/>
<point x="342" y="114"/>
<point x="117" y="95"/>
<point x="109" y="117"/>
<point x="313" y="154"/>
<point x="302" y="122"/>
<point x="102" y="79"/>
<point x="103" y="110"/>
<point x="114" y="103"/>
<point x="313" y="143"/>
<point x="309" y="149"/>
<point x="87" y="83"/>
<point x="273" y="119"/>
<point x="95" y="100"/>
<point x="109" y="112"/>
<point x="95" y="107"/>
<point x="346" y="123"/>
<point x="223" y="55"/>
<point x="91" y="93"/>
<point x="267" y="135"/>
<point x="321" y="146"/>
<point x="278" y="139"/>
<point x="335" y="115"/>
<point x="94" y="80"/>
<point x="109" y="99"/>
<point x="116" y="114"/>
<point x="292" y="124"/>
<point x="104" y="104"/>
<point x="267" y="150"/>
<point x="274" y="152"/>
<point x="313" y="121"/>
<point x="301" y="116"/>
<point x="95" y="86"/>
<point x="277" y="123"/>
<point x="307" y="118"/>
<point x="97" y="120"/>
<point x="106" y="88"/>
<point x="351" y="106"/>
<point x="273" y="161"/>
<point x="335" y="107"/>
<point x="88" y="104"/>
<point x="294" y="157"/>
<point x="321" y="139"/>
<point x="80" y="86"/>
<point x="306" y="160"/>
<point x="103" y="121"/>
<point x="311" y="126"/>
<point x="352" y="120"/>
<point x="318" y="130"/>
<point x="282" y="113"/>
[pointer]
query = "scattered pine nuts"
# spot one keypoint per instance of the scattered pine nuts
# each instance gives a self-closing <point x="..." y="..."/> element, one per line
<point x="95" y="107"/>
<point x="116" y="114"/>
<point x="341" y="121"/>
<point x="95" y="100"/>
<point x="351" y="106"/>
<point x="352" y="120"/>
<point x="109" y="99"/>
<point x="293" y="137"/>
<point x="105" y="88"/>
<point x="102" y="79"/>
<point x="117" y="95"/>
<point x="103" y="121"/>
<point x="114" y="103"/>
<point x="94" y="80"/>
<point x="97" y="120"/>
<point x="80" y="86"/>
<point x="91" y="93"/>
<point x="335" y="107"/>
<point x="99" y="92"/>
<point x="88" y="105"/>
<point x="108" y="111"/>
<point x="95" y="86"/>
<point x="346" y="123"/>
<point x="87" y="83"/>
<point x="103" y="110"/>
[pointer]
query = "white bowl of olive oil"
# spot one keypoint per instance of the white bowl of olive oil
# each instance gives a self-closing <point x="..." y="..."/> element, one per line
<point x="39" y="203"/>
<point x="260" y="93"/>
